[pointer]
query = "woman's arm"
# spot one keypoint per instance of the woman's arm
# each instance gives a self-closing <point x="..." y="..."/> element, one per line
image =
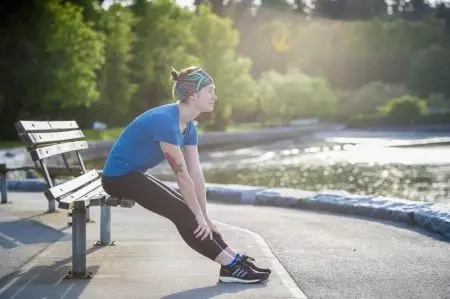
<point x="194" y="169"/>
<point x="174" y="157"/>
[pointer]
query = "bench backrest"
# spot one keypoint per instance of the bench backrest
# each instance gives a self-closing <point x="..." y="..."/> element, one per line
<point x="45" y="139"/>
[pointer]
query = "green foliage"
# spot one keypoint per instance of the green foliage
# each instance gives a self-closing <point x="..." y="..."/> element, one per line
<point x="108" y="134"/>
<point x="438" y="102"/>
<point x="217" y="40"/>
<point x="349" y="54"/>
<point x="429" y="71"/>
<point x="50" y="61"/>
<point x="75" y="54"/>
<point x="115" y="86"/>
<point x="369" y="97"/>
<point x="163" y="40"/>
<point x="404" y="110"/>
<point x="285" y="97"/>
<point x="275" y="6"/>
<point x="73" y="59"/>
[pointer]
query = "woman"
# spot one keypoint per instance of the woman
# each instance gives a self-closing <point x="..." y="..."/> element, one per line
<point x="168" y="132"/>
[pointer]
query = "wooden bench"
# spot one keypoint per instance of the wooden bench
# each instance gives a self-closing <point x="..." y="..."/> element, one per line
<point x="55" y="172"/>
<point x="46" y="139"/>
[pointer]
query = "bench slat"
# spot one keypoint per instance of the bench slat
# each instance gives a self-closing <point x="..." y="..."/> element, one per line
<point x="34" y="126"/>
<point x="82" y="194"/>
<point x="41" y="138"/>
<point x="52" y="150"/>
<point x="53" y="170"/>
<point x="64" y="188"/>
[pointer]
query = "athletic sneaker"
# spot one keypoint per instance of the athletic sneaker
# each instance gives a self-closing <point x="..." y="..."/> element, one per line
<point x="241" y="272"/>
<point x="250" y="260"/>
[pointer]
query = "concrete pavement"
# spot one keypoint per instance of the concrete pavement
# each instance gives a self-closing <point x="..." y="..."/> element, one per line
<point x="150" y="259"/>
<point x="334" y="256"/>
<point x="312" y="254"/>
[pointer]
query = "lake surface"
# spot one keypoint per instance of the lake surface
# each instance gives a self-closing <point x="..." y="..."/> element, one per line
<point x="406" y="165"/>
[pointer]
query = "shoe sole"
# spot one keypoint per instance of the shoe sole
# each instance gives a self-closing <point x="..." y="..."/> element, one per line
<point x="262" y="271"/>
<point x="239" y="280"/>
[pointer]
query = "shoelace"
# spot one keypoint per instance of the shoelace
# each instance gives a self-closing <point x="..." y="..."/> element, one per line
<point x="246" y="258"/>
<point x="244" y="266"/>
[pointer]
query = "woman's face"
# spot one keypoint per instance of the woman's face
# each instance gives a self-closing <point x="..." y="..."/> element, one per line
<point x="205" y="98"/>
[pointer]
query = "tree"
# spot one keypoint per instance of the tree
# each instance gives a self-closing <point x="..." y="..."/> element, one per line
<point x="90" y="9"/>
<point x="275" y="5"/>
<point x="115" y="86"/>
<point x="300" y="6"/>
<point x="163" y="40"/>
<point x="329" y="9"/>
<point x="443" y="12"/>
<point x="19" y="61"/>
<point x="217" y="6"/>
<point x="217" y="41"/>
<point x="284" y="97"/>
<point x="429" y="72"/>
<point x="349" y="9"/>
<point x="75" y="53"/>
<point x="51" y="59"/>
<point x="410" y="9"/>
<point x="367" y="99"/>
<point x="404" y="110"/>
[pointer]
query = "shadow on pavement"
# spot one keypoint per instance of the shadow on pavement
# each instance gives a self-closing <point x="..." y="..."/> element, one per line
<point x="214" y="290"/>
<point x="26" y="231"/>
<point x="46" y="281"/>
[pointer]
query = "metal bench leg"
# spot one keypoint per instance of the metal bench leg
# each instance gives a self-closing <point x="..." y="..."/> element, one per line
<point x="88" y="215"/>
<point x="79" y="245"/>
<point x="52" y="205"/>
<point x="3" y="188"/>
<point x="105" y="226"/>
<point x="52" y="202"/>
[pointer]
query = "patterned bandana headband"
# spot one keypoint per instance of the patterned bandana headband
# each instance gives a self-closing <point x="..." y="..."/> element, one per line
<point x="192" y="82"/>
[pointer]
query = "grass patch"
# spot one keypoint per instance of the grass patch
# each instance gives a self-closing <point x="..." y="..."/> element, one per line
<point x="113" y="133"/>
<point x="243" y="127"/>
<point x="10" y="143"/>
<point x="107" y="134"/>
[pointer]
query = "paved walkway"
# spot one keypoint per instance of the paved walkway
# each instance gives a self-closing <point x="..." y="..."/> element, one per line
<point x="35" y="254"/>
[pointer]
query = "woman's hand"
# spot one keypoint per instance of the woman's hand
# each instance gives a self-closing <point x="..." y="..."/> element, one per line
<point x="203" y="230"/>
<point x="212" y="226"/>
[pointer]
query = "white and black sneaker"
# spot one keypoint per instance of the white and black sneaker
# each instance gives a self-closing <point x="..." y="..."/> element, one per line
<point x="241" y="272"/>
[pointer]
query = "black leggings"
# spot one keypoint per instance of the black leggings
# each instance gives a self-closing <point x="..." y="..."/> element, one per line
<point x="159" y="198"/>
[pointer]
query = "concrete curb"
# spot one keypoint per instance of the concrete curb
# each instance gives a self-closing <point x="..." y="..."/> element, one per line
<point x="429" y="216"/>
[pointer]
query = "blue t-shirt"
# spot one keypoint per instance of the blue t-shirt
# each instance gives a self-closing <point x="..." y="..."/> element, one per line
<point x="138" y="149"/>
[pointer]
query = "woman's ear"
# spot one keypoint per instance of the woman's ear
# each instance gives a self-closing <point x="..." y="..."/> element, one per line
<point x="194" y="96"/>
<point x="188" y="99"/>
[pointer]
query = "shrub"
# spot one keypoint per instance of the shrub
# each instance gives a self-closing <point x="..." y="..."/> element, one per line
<point x="284" y="97"/>
<point x="368" y="98"/>
<point x="404" y="110"/>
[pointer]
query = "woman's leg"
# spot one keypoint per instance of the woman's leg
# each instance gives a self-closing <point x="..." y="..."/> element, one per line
<point x="218" y="238"/>
<point x="157" y="199"/>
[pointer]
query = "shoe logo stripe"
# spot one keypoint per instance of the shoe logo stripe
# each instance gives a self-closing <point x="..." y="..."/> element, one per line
<point x="239" y="273"/>
<point x="236" y="271"/>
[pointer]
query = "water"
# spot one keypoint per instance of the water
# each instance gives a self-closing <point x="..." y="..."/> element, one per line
<point x="369" y="164"/>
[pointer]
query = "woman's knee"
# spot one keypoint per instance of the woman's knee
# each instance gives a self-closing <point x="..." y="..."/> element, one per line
<point x="185" y="223"/>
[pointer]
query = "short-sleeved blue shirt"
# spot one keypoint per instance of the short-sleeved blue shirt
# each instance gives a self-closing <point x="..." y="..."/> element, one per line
<point x="138" y="149"/>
